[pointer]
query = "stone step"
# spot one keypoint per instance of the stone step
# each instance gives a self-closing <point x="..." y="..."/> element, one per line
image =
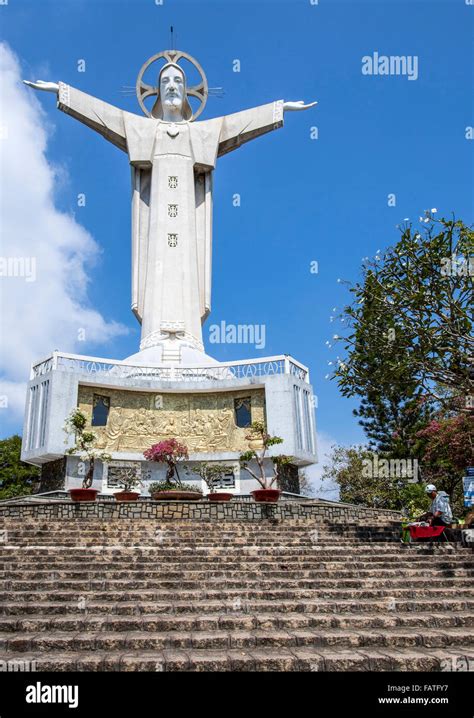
<point x="375" y="547"/>
<point x="242" y="621"/>
<point x="193" y="546"/>
<point x="107" y="554"/>
<point x="38" y="623"/>
<point x="84" y="605"/>
<point x="205" y="541"/>
<point x="245" y="582"/>
<point x="372" y="552"/>
<point x="208" y="540"/>
<point x="228" y="595"/>
<point x="259" y="605"/>
<point x="197" y="530"/>
<point x="269" y="571"/>
<point x="296" y="659"/>
<point x="184" y="534"/>
<point x="136" y="554"/>
<point x="210" y="572"/>
<point x="173" y="532"/>
<point x="219" y="639"/>
<point x="216" y="568"/>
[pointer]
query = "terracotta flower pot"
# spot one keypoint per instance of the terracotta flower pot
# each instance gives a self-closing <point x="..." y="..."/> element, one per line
<point x="83" y="494"/>
<point x="266" y="495"/>
<point x="220" y="496"/>
<point x="176" y="496"/>
<point x="127" y="496"/>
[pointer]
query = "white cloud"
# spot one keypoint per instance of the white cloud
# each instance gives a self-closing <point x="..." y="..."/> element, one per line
<point x="53" y="249"/>
<point x="326" y="489"/>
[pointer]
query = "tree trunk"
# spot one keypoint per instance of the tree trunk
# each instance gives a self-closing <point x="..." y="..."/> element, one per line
<point x="87" y="483"/>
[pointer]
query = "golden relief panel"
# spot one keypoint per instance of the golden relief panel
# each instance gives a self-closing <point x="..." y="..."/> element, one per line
<point x="204" y="422"/>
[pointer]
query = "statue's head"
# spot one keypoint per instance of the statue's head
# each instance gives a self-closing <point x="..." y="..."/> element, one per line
<point x="172" y="100"/>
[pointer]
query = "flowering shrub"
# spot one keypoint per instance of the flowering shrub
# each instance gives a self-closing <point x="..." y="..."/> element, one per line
<point x="447" y="449"/>
<point x="449" y="445"/>
<point x="168" y="452"/>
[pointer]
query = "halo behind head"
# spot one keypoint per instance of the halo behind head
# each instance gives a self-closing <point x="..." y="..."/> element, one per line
<point x="172" y="57"/>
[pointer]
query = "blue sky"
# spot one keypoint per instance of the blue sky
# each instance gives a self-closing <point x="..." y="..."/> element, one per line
<point x="302" y="200"/>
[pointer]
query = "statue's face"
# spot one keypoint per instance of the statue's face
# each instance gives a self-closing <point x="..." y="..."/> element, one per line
<point x="172" y="88"/>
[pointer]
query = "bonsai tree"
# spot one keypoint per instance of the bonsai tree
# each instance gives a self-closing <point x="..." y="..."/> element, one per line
<point x="129" y="479"/>
<point x="76" y="424"/>
<point x="158" y="486"/>
<point x="210" y="473"/>
<point x="168" y="452"/>
<point x="259" y="431"/>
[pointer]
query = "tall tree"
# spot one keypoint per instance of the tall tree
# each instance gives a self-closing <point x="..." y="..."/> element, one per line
<point x="410" y="323"/>
<point x="391" y="410"/>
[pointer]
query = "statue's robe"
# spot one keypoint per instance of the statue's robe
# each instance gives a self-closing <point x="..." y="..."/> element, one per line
<point x="172" y="166"/>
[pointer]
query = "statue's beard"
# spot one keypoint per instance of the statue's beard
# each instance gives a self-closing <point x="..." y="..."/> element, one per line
<point x="173" y="103"/>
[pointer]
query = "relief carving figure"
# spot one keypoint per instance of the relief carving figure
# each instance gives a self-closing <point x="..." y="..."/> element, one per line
<point x="114" y="429"/>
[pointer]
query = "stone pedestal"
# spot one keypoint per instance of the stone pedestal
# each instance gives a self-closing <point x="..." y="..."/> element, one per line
<point x="198" y="405"/>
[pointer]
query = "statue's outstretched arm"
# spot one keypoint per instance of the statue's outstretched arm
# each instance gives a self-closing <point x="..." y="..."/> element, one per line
<point x="243" y="126"/>
<point x="105" y="119"/>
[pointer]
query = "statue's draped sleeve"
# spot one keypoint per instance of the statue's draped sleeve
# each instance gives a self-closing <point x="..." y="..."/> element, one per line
<point x="134" y="135"/>
<point x="244" y="126"/>
<point x="105" y="119"/>
<point x="140" y="133"/>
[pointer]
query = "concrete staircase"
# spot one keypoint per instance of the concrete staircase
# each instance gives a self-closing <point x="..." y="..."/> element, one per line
<point x="289" y="595"/>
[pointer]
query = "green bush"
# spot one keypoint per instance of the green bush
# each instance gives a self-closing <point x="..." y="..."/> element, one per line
<point x="171" y="486"/>
<point x="16" y="477"/>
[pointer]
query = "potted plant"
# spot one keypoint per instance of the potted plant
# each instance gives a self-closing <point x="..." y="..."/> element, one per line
<point x="260" y="438"/>
<point x="170" y="452"/>
<point x="128" y="482"/>
<point x="171" y="491"/>
<point x="211" y="474"/>
<point x="76" y="424"/>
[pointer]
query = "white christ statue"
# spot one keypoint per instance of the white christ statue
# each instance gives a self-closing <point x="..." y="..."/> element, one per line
<point x="172" y="160"/>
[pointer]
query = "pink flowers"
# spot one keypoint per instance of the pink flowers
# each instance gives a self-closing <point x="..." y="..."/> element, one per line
<point x="167" y="452"/>
<point x="448" y="443"/>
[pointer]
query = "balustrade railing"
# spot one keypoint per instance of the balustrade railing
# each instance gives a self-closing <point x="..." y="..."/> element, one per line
<point x="246" y="369"/>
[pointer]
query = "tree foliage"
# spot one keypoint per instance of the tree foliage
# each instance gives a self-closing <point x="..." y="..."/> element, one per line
<point x="448" y="449"/>
<point x="409" y="353"/>
<point x="410" y="322"/>
<point x="258" y="434"/>
<point x="84" y="444"/>
<point x="16" y="477"/>
<point x="210" y="472"/>
<point x="346" y="468"/>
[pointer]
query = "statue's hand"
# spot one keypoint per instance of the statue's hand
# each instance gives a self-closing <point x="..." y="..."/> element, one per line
<point x="41" y="85"/>
<point x="299" y="105"/>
